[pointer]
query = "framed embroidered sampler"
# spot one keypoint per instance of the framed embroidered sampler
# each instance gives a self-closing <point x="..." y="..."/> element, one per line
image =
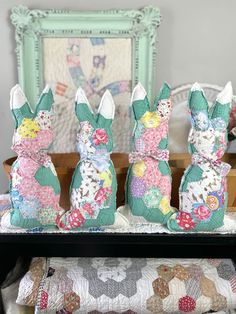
<point x="96" y="50"/>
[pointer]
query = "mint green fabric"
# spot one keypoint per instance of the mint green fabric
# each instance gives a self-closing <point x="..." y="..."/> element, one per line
<point x="45" y="176"/>
<point x="164" y="168"/>
<point x="221" y="111"/>
<point x="192" y="174"/>
<point x="20" y="114"/>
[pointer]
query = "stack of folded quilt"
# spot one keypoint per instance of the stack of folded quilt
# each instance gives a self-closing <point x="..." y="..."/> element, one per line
<point x="128" y="285"/>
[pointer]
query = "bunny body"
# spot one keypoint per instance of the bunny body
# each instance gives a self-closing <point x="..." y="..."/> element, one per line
<point x="203" y="191"/>
<point x="34" y="186"/>
<point x="93" y="187"/>
<point x="148" y="186"/>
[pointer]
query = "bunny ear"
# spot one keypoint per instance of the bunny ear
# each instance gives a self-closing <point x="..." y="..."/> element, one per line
<point x="83" y="108"/>
<point x="197" y="99"/>
<point x="139" y="93"/>
<point x="198" y="106"/>
<point x="139" y="101"/>
<point x="163" y="103"/>
<point x="222" y="105"/>
<point x="46" y="100"/>
<point x="81" y="98"/>
<point x="225" y="96"/>
<point x="106" y="110"/>
<point x="17" y="98"/>
<point x="19" y="105"/>
<point x="165" y="93"/>
<point x="107" y="106"/>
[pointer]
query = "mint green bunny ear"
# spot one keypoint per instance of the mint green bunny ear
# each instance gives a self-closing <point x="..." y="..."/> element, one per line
<point x="221" y="108"/>
<point x="45" y="101"/>
<point x="198" y="106"/>
<point x="139" y="101"/>
<point x="165" y="93"/>
<point x="19" y="105"/>
<point x="197" y="100"/>
<point x="106" y="110"/>
<point x="83" y="109"/>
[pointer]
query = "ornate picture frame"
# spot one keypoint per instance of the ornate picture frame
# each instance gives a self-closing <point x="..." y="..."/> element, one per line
<point x="131" y="32"/>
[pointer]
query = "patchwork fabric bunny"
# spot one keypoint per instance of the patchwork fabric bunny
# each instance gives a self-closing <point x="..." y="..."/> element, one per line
<point x="34" y="185"/>
<point x="93" y="188"/>
<point x="203" y="190"/>
<point x="148" y="185"/>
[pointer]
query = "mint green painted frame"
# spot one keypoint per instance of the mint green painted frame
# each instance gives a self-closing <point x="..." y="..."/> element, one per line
<point x="32" y="25"/>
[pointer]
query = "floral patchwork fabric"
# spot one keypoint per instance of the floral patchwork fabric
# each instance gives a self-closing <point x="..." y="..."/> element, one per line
<point x="29" y="285"/>
<point x="148" y="186"/>
<point x="133" y="285"/>
<point x="203" y="191"/>
<point x="193" y="287"/>
<point x="34" y="185"/>
<point x="93" y="187"/>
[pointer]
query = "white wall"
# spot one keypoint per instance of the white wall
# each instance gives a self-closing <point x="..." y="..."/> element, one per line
<point x="197" y="42"/>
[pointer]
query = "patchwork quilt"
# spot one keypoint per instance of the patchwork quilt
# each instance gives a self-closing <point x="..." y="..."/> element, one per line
<point x="132" y="285"/>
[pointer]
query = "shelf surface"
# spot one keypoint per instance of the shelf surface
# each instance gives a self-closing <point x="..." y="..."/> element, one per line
<point x="118" y="245"/>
